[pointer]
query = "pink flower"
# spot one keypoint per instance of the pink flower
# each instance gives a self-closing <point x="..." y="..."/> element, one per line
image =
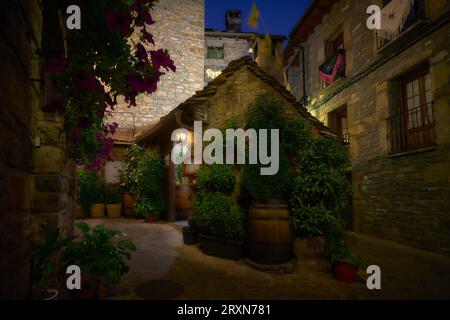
<point x="109" y="101"/>
<point x="86" y="80"/>
<point x="147" y="36"/>
<point x="145" y="16"/>
<point x="141" y="53"/>
<point x="56" y="64"/>
<point x="118" y="21"/>
<point x="137" y="83"/>
<point x="131" y="97"/>
<point x="161" y="58"/>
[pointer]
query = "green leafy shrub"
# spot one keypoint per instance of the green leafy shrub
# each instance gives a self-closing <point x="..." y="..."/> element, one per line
<point x="44" y="256"/>
<point x="151" y="174"/>
<point x="149" y="206"/>
<point x="215" y="178"/>
<point x="91" y="188"/>
<point x="217" y="216"/>
<point x="150" y="180"/>
<point x="129" y="173"/>
<point x="112" y="195"/>
<point x="320" y="189"/>
<point x="266" y="112"/>
<point x="100" y="254"/>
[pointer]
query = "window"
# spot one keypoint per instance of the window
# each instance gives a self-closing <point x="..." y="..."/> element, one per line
<point x="412" y="125"/>
<point x="112" y="172"/>
<point x="215" y="53"/>
<point x="338" y="122"/>
<point x="342" y="126"/>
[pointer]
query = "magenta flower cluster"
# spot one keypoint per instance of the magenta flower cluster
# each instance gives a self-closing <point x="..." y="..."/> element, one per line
<point x="148" y="65"/>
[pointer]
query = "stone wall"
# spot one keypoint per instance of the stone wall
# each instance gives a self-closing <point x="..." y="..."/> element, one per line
<point x="34" y="182"/>
<point x="240" y="90"/>
<point x="180" y="28"/>
<point x="234" y="48"/>
<point x="401" y="198"/>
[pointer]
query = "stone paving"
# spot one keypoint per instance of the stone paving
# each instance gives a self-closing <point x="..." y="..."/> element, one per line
<point x="161" y="255"/>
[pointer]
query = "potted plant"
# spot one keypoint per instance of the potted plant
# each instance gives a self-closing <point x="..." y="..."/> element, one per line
<point x="44" y="259"/>
<point x="223" y="227"/>
<point x="217" y="213"/>
<point x="190" y="232"/>
<point x="90" y="192"/>
<point x="149" y="209"/>
<point x="129" y="177"/>
<point x="113" y="201"/>
<point x="101" y="254"/>
<point x="150" y="183"/>
<point x="97" y="209"/>
<point x="346" y="265"/>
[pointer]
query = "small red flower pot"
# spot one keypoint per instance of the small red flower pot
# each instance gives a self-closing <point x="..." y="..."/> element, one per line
<point x="345" y="272"/>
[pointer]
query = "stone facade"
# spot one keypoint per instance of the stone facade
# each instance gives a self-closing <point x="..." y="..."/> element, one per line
<point x="399" y="196"/>
<point x="180" y="29"/>
<point x="35" y="177"/>
<point x="238" y="45"/>
<point x="234" y="47"/>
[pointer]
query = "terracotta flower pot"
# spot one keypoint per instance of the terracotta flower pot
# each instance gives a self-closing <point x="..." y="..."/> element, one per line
<point x="97" y="210"/>
<point x="113" y="210"/>
<point x="345" y="272"/>
<point x="129" y="200"/>
<point x="88" y="290"/>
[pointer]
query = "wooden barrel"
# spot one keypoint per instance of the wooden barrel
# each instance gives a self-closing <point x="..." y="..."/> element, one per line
<point x="269" y="233"/>
<point x="183" y="200"/>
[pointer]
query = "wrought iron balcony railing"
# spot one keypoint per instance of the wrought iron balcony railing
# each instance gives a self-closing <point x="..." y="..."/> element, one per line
<point x="416" y="14"/>
<point x="414" y="129"/>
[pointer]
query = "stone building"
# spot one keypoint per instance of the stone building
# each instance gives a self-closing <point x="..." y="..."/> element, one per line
<point x="222" y="47"/>
<point x="180" y="28"/>
<point x="390" y="102"/>
<point x="227" y="96"/>
<point x="36" y="180"/>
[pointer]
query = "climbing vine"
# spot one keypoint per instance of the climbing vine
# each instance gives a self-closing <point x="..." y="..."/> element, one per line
<point x="107" y="58"/>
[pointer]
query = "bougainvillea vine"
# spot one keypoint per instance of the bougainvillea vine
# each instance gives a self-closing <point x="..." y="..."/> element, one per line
<point x="109" y="57"/>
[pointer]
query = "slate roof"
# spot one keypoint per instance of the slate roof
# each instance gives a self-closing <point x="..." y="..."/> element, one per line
<point x="211" y="89"/>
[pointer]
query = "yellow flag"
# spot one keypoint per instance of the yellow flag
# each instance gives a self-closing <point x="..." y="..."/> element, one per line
<point x="266" y="45"/>
<point x="253" y="19"/>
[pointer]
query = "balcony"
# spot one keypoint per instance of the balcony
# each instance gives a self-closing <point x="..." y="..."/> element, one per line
<point x="417" y="14"/>
<point x="412" y="130"/>
<point x="332" y="69"/>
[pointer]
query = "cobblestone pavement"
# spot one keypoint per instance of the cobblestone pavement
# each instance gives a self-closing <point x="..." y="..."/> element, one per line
<point x="161" y="255"/>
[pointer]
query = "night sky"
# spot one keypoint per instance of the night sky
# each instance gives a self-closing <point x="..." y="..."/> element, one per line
<point x="280" y="16"/>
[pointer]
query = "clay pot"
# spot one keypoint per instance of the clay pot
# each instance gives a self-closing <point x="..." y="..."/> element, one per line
<point x="345" y="272"/>
<point x="113" y="210"/>
<point x="97" y="210"/>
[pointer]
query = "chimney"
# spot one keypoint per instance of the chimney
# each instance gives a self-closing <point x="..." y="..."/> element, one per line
<point x="233" y="20"/>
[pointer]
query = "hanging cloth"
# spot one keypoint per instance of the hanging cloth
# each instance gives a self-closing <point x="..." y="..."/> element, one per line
<point x="333" y="67"/>
<point x="393" y="18"/>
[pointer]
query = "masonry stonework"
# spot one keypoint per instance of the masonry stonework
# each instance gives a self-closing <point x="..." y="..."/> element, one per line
<point x="403" y="197"/>
<point x="35" y="177"/>
<point x="180" y="28"/>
